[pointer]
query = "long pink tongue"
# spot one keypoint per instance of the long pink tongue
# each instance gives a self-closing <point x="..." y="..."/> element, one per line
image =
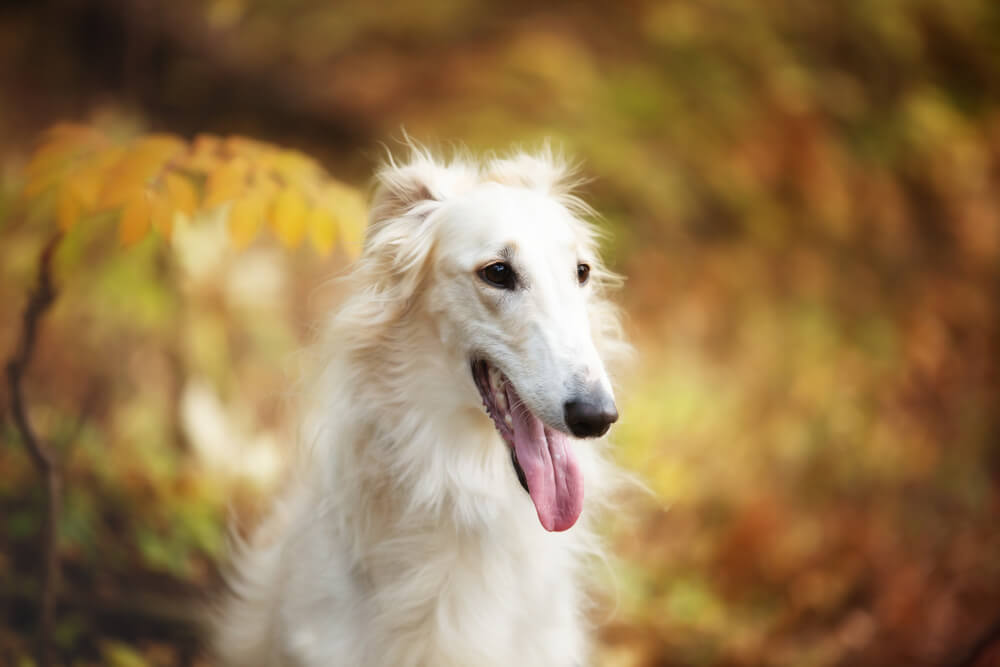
<point x="549" y="464"/>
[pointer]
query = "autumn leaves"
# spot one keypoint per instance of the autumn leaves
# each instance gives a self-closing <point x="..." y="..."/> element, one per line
<point x="153" y="181"/>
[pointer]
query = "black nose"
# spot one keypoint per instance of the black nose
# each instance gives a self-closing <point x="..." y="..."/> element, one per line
<point x="590" y="416"/>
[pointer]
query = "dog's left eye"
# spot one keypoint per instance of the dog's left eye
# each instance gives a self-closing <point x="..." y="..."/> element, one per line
<point x="499" y="274"/>
<point x="582" y="273"/>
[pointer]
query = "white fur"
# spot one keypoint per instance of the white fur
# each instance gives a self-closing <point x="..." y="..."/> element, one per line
<point x="404" y="537"/>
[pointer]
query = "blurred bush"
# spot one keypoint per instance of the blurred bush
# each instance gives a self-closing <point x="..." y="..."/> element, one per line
<point x="803" y="197"/>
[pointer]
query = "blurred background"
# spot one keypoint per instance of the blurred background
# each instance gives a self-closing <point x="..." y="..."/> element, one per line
<point x="803" y="197"/>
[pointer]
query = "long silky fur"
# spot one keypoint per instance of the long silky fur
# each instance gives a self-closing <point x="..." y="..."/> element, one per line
<point x="389" y="547"/>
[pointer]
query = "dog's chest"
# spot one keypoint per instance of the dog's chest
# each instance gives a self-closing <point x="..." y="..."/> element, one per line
<point x="499" y="597"/>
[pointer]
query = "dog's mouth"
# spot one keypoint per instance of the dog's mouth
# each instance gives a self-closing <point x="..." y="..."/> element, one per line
<point x="543" y="458"/>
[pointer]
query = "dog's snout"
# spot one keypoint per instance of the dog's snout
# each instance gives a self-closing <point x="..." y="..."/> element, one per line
<point x="590" y="415"/>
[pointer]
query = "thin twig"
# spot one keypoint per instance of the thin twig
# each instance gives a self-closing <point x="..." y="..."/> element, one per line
<point x="41" y="454"/>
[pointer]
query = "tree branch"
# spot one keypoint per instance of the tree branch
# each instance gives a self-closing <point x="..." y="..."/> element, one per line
<point x="42" y="456"/>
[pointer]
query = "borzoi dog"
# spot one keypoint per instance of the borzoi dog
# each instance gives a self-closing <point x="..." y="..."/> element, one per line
<point x="421" y="528"/>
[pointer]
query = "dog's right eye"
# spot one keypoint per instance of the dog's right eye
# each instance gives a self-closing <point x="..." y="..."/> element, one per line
<point x="499" y="274"/>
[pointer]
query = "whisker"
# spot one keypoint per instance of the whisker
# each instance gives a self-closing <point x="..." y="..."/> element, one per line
<point x="520" y="405"/>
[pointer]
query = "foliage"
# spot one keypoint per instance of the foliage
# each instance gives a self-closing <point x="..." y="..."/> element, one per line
<point x="217" y="193"/>
<point x="151" y="179"/>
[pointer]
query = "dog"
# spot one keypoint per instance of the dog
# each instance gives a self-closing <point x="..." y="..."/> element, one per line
<point x="437" y="514"/>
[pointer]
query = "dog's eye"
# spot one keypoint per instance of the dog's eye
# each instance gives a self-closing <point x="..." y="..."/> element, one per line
<point x="582" y="273"/>
<point x="499" y="274"/>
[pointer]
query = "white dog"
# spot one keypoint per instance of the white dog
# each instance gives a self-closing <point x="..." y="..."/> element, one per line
<point x="421" y="529"/>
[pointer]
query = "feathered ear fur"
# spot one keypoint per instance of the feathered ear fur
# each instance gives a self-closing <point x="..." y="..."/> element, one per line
<point x="544" y="171"/>
<point x="414" y="189"/>
<point x="399" y="240"/>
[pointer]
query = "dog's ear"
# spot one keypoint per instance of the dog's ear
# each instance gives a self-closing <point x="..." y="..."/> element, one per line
<point x="400" y="191"/>
<point x="400" y="236"/>
<point x="415" y="188"/>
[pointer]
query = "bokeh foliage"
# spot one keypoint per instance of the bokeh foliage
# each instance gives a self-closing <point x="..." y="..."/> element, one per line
<point x="153" y="178"/>
<point x="802" y="195"/>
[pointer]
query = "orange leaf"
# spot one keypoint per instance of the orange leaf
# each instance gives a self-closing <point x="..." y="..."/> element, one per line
<point x="139" y="165"/>
<point x="118" y="189"/>
<point x="181" y="193"/>
<point x="136" y="218"/>
<point x="88" y="179"/>
<point x="226" y="183"/>
<point x="288" y="216"/>
<point x="86" y="184"/>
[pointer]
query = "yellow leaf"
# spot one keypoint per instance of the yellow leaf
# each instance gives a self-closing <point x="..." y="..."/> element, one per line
<point x="139" y="165"/>
<point x="226" y="182"/>
<point x="294" y="166"/>
<point x="136" y="218"/>
<point x="48" y="172"/>
<point x="88" y="179"/>
<point x="352" y="218"/>
<point x="245" y="218"/>
<point x="263" y="183"/>
<point x="350" y="212"/>
<point x="68" y="207"/>
<point x="288" y="216"/>
<point x="181" y="193"/>
<point x="322" y="229"/>
<point x="66" y="149"/>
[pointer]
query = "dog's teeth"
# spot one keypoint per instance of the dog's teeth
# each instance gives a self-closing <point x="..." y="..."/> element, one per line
<point x="510" y="422"/>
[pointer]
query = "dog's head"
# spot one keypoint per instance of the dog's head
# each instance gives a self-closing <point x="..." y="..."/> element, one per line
<point x="505" y="268"/>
